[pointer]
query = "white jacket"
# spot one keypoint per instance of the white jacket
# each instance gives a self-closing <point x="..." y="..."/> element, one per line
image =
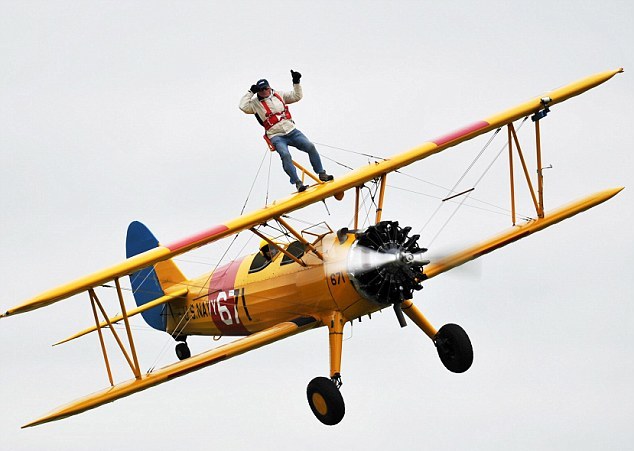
<point x="251" y="104"/>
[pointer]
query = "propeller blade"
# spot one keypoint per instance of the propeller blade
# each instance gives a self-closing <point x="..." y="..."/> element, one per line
<point x="399" y="314"/>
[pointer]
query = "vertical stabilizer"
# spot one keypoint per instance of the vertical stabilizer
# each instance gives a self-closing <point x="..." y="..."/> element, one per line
<point x="150" y="283"/>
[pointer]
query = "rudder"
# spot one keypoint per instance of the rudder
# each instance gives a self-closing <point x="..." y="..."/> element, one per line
<point x="150" y="283"/>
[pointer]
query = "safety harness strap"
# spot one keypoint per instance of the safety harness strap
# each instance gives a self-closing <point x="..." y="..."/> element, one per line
<point x="273" y="118"/>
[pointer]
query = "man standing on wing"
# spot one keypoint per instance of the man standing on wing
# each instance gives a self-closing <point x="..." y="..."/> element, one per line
<point x="271" y="111"/>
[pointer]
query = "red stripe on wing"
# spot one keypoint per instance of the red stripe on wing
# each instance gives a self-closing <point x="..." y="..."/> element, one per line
<point x="460" y="133"/>
<point x="215" y="230"/>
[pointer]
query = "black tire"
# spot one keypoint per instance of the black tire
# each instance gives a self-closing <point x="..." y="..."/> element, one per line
<point x="182" y="351"/>
<point x="325" y="401"/>
<point x="454" y="348"/>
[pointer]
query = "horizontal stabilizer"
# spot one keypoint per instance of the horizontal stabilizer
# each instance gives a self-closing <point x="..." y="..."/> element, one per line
<point x="175" y="294"/>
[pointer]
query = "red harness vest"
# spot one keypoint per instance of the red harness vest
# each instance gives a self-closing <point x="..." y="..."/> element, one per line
<point x="273" y="118"/>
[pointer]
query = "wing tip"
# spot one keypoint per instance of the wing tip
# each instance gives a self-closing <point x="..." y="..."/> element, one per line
<point x="39" y="421"/>
<point x="35" y="423"/>
<point x="614" y="191"/>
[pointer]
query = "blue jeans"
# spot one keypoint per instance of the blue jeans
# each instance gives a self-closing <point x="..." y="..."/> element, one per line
<point x="298" y="140"/>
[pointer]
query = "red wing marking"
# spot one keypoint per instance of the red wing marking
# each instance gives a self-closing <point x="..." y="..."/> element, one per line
<point x="223" y="300"/>
<point x="460" y="133"/>
<point x="215" y="230"/>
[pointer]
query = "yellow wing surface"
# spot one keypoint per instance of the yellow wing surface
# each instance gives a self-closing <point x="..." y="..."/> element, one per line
<point x="518" y="232"/>
<point x="314" y="194"/>
<point x="178" y="369"/>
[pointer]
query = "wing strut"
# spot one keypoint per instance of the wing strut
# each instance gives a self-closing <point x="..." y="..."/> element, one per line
<point x="103" y="344"/>
<point x="381" y="179"/>
<point x="296" y="234"/>
<point x="278" y="247"/>
<point x="538" y="200"/>
<point x="300" y="238"/>
<point x="131" y="357"/>
<point x="379" y="207"/>
<point x="169" y="296"/>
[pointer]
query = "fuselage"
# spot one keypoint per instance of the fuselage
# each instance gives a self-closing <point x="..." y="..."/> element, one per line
<point x="251" y="294"/>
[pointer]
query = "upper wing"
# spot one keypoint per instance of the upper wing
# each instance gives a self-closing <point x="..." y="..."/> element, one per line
<point x="312" y="195"/>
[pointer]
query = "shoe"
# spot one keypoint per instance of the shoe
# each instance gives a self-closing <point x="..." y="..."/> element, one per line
<point x="325" y="177"/>
<point x="300" y="187"/>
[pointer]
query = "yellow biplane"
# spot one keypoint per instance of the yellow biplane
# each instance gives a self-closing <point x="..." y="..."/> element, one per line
<point x="323" y="279"/>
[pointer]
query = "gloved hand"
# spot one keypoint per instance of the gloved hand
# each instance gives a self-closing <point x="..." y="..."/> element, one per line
<point x="296" y="76"/>
<point x="254" y="89"/>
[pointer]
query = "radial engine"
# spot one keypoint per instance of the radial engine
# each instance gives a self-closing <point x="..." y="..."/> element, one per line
<point x="385" y="265"/>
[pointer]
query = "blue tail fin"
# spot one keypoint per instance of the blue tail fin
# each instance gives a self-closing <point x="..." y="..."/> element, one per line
<point x="149" y="283"/>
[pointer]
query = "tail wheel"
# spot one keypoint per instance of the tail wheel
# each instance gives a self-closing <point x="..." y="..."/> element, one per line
<point x="325" y="401"/>
<point x="182" y="351"/>
<point x="454" y="348"/>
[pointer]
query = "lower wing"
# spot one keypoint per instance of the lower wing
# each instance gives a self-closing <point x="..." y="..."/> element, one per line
<point x="194" y="363"/>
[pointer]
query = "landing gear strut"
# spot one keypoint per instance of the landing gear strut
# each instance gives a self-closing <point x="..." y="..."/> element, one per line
<point x="323" y="394"/>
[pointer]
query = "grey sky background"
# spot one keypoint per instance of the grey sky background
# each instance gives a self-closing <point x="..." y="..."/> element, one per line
<point x="119" y="111"/>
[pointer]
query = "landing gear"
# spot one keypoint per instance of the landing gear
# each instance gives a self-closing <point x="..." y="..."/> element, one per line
<point x="452" y="342"/>
<point x="325" y="401"/>
<point x="454" y="348"/>
<point x="182" y="351"/>
<point x="323" y="394"/>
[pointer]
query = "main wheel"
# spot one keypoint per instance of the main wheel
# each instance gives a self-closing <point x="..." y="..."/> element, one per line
<point x="182" y="351"/>
<point x="454" y="348"/>
<point x="325" y="401"/>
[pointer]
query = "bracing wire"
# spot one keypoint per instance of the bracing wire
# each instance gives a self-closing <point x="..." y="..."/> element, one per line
<point x="268" y="180"/>
<point x="336" y="162"/>
<point x="176" y="332"/>
<point x="364" y="199"/>
<point x="453" y="189"/>
<point x="255" y="179"/>
<point x="348" y="151"/>
<point x="206" y="283"/>
<point x="502" y="148"/>
<point x="351" y="151"/>
<point x="368" y="208"/>
<point x="499" y="210"/>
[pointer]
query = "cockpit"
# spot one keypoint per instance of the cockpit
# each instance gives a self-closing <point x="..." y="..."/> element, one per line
<point x="269" y="254"/>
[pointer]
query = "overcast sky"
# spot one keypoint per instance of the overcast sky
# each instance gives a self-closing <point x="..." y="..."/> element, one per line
<point x="119" y="111"/>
